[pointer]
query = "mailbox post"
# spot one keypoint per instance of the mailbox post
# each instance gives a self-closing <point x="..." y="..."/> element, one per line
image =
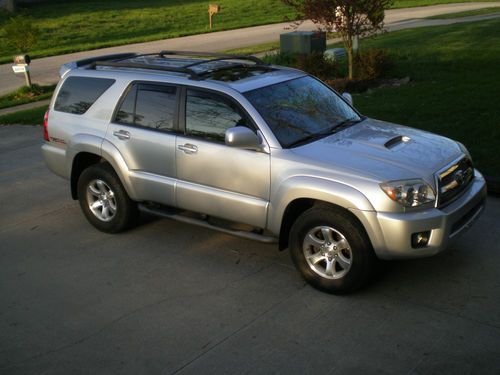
<point x="21" y="65"/>
<point x="212" y="9"/>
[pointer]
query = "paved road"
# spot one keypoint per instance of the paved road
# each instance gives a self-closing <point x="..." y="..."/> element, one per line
<point x="45" y="70"/>
<point x="171" y="298"/>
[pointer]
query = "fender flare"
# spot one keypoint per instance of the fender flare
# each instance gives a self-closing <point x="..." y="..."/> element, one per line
<point x="315" y="188"/>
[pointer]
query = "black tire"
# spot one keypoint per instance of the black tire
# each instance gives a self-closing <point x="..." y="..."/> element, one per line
<point x="362" y="258"/>
<point x="125" y="210"/>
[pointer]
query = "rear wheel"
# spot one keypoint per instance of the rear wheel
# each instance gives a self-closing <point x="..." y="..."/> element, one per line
<point x="104" y="201"/>
<point x="331" y="250"/>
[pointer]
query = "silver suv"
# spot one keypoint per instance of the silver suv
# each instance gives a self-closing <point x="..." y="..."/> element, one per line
<point x="258" y="151"/>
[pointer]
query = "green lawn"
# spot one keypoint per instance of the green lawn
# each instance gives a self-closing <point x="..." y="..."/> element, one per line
<point x="26" y="95"/>
<point x="28" y="117"/>
<point x="455" y="87"/>
<point x="78" y="25"/>
<point x="476" y="12"/>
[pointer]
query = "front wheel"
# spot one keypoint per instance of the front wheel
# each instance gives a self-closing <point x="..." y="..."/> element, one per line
<point x="331" y="250"/>
<point x="104" y="201"/>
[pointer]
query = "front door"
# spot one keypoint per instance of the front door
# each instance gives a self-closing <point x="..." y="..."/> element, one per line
<point x="213" y="178"/>
<point x="144" y="131"/>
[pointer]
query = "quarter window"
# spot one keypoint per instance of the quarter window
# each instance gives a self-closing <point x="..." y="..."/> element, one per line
<point x="77" y="94"/>
<point x="150" y="106"/>
<point x="209" y="115"/>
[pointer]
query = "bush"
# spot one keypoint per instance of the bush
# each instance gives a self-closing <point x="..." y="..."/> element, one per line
<point x="315" y="64"/>
<point x="318" y="65"/>
<point x="371" y="64"/>
<point x="20" y="33"/>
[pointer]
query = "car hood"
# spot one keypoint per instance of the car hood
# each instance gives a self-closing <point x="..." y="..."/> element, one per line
<point x="383" y="151"/>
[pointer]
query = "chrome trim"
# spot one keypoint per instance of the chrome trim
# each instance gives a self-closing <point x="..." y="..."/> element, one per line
<point x="448" y="169"/>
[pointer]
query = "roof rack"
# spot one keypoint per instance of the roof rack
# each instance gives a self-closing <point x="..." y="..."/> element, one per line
<point x="186" y="69"/>
<point x="192" y="74"/>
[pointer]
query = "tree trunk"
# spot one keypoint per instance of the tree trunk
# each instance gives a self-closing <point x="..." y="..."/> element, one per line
<point x="350" y="61"/>
<point x="10" y="5"/>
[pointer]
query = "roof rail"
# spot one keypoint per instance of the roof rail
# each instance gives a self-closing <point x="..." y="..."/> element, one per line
<point x="117" y="64"/>
<point x="117" y="61"/>
<point x="78" y="63"/>
<point x="217" y="56"/>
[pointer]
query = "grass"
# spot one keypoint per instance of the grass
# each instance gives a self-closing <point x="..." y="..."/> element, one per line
<point x="80" y="25"/>
<point x="258" y="48"/>
<point x="476" y="12"/>
<point x="454" y="89"/>
<point x="28" y="117"/>
<point x="25" y="95"/>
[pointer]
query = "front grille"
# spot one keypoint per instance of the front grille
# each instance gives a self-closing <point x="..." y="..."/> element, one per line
<point x="453" y="181"/>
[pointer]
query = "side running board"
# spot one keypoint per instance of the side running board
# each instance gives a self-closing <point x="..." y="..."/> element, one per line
<point x="172" y="214"/>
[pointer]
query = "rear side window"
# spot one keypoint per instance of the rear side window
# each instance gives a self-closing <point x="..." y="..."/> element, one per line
<point x="77" y="94"/>
<point x="149" y="105"/>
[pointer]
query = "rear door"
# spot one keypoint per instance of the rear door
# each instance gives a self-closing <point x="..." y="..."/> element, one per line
<point x="213" y="178"/>
<point x="144" y="131"/>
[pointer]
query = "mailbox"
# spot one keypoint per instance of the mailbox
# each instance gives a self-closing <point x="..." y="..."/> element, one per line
<point x="212" y="9"/>
<point x="21" y="65"/>
<point x="22" y="59"/>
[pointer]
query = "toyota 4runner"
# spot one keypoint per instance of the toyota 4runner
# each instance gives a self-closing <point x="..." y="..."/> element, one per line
<point x="262" y="152"/>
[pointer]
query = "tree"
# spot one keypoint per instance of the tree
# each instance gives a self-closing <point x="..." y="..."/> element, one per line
<point x="350" y="18"/>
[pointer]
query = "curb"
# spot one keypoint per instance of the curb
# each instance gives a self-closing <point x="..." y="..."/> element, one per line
<point x="23" y="107"/>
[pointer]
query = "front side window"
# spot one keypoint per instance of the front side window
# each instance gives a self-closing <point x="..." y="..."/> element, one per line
<point x="301" y="109"/>
<point x="148" y="105"/>
<point x="209" y="115"/>
<point x="77" y="94"/>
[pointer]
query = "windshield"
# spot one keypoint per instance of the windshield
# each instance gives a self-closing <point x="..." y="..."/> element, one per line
<point x="301" y="109"/>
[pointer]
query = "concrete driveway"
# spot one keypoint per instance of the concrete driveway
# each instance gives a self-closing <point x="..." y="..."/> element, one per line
<point x="171" y="298"/>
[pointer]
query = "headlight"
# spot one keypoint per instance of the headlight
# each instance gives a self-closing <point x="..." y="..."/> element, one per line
<point x="409" y="193"/>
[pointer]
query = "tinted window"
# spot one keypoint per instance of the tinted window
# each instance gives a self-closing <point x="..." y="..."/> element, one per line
<point x="209" y="115"/>
<point x="298" y="109"/>
<point x="125" y="114"/>
<point x="151" y="106"/>
<point x="77" y="94"/>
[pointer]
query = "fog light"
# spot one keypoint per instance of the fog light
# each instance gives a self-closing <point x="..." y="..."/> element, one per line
<point x="420" y="239"/>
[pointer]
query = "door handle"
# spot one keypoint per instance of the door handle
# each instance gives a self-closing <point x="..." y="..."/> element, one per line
<point x="188" y="148"/>
<point x="122" y="134"/>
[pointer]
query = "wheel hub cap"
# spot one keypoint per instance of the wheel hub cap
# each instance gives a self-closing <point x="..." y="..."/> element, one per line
<point x="101" y="200"/>
<point x="327" y="252"/>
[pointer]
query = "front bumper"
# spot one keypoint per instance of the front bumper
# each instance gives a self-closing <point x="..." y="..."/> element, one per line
<point x="391" y="232"/>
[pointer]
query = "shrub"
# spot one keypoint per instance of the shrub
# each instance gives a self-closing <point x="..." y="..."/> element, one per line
<point x="372" y="64"/>
<point x="315" y="63"/>
<point x="318" y="65"/>
<point x="20" y="33"/>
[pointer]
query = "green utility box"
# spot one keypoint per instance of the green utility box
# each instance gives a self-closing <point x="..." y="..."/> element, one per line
<point x="303" y="42"/>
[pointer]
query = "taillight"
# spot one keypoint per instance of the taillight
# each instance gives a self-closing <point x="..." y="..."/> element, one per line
<point x="45" y="126"/>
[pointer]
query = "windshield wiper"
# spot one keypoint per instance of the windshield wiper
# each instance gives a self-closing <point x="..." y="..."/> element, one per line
<point x="314" y="137"/>
<point x="309" y="138"/>
<point x="346" y="123"/>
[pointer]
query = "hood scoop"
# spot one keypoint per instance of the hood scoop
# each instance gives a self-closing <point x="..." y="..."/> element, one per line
<point x="397" y="141"/>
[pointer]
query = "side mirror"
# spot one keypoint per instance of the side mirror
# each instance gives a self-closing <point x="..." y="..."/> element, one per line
<point x="242" y="137"/>
<point x="348" y="98"/>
